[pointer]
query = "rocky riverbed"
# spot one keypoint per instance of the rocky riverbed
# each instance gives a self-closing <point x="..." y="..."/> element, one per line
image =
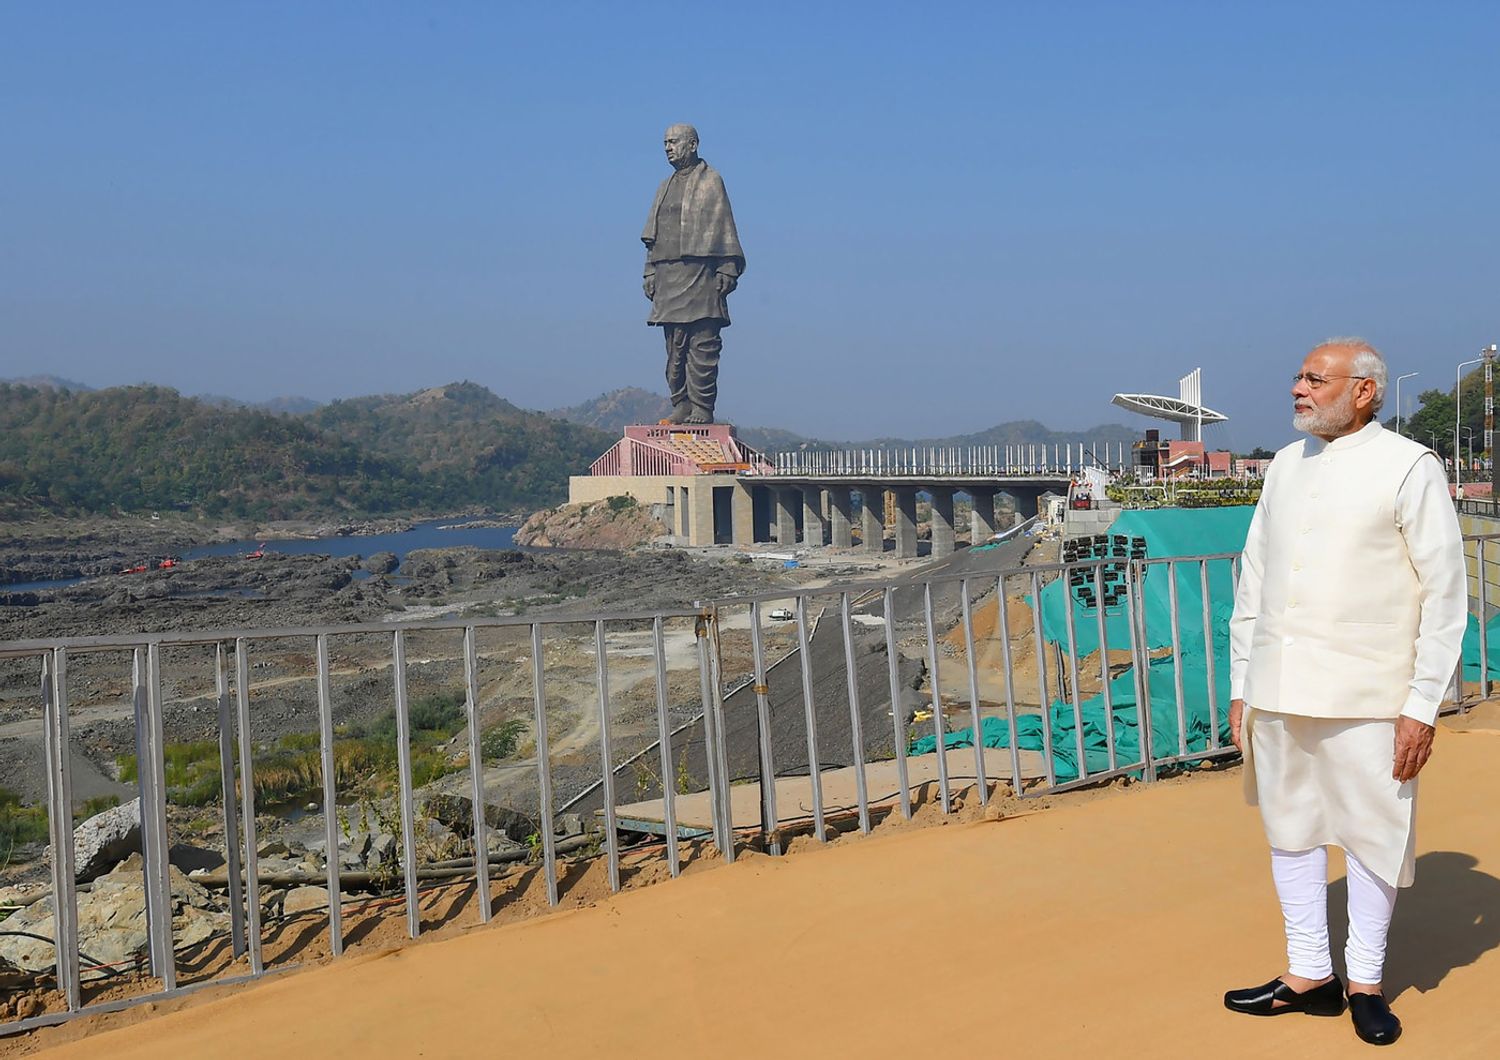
<point x="237" y="593"/>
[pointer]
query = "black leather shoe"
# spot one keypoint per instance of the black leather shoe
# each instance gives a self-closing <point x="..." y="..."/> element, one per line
<point x="1374" y="1021"/>
<point x="1325" y="1000"/>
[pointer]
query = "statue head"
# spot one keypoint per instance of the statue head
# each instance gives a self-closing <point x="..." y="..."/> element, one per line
<point x="681" y="142"/>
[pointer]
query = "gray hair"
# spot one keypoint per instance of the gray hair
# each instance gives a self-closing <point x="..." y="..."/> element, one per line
<point x="1368" y="363"/>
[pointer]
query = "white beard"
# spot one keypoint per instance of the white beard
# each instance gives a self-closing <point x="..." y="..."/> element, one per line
<point x="1330" y="420"/>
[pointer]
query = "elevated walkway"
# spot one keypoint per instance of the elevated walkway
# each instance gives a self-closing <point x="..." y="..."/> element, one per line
<point x="1106" y="926"/>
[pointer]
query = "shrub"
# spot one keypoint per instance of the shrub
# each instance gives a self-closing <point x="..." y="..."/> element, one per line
<point x="501" y="741"/>
<point x="621" y="503"/>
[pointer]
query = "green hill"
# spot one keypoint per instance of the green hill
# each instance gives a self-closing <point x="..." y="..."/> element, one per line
<point x="150" y="448"/>
<point x="466" y="445"/>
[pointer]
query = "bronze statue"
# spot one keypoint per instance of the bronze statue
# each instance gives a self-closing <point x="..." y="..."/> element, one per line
<point x="693" y="262"/>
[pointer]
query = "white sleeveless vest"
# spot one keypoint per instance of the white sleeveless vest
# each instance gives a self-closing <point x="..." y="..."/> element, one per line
<point x="1336" y="624"/>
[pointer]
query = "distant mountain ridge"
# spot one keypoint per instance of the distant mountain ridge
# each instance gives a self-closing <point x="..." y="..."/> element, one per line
<point x="617" y="409"/>
<point x="48" y="382"/>
<point x="614" y="410"/>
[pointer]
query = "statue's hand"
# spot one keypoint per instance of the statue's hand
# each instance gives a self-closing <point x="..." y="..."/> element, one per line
<point x="649" y="286"/>
<point x="725" y="282"/>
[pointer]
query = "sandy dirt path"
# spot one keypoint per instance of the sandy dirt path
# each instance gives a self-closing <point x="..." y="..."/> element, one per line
<point x="1108" y="928"/>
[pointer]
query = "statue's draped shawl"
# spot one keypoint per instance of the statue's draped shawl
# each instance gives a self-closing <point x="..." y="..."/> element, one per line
<point x="707" y="221"/>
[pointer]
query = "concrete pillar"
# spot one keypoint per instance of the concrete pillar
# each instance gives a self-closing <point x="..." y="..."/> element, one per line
<point x="982" y="517"/>
<point x="942" y="521"/>
<point x="786" y="516"/>
<point x="813" y="526"/>
<point x="906" y="522"/>
<point x="872" y="526"/>
<point x="703" y="516"/>
<point x="684" y="507"/>
<point x="840" y="516"/>
<point x="744" y="515"/>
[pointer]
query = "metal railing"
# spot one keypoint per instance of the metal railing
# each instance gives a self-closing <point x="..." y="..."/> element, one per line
<point x="1048" y="460"/>
<point x="820" y="722"/>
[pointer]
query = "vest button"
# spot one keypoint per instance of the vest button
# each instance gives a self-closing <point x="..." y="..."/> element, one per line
<point x="1288" y="640"/>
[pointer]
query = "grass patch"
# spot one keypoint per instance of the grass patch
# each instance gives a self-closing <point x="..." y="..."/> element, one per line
<point x="97" y="805"/>
<point x="364" y="754"/>
<point x="19" y="824"/>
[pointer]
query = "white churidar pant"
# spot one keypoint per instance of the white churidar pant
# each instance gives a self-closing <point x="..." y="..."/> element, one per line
<point x="1327" y="782"/>
<point x="1302" y="885"/>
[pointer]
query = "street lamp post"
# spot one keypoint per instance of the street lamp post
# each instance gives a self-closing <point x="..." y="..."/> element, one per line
<point x="1408" y="375"/>
<point x="1458" y="415"/>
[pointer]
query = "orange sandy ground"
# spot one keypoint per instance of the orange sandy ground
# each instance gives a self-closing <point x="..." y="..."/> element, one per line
<point x="1107" y="927"/>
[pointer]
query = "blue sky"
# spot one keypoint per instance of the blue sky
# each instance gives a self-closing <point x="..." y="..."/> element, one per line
<point x="953" y="214"/>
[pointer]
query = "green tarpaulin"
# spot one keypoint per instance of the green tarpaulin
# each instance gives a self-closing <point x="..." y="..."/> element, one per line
<point x="1167" y="532"/>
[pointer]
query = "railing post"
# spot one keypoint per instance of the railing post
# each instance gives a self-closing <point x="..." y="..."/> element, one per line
<point x="898" y="720"/>
<point x="770" y="821"/>
<point x="60" y="825"/>
<point x="1177" y="683"/>
<point x="1484" y="614"/>
<point x="247" y="805"/>
<point x="231" y="817"/>
<point x="810" y="713"/>
<point x="404" y="797"/>
<point x="720" y="743"/>
<point x="856" y="721"/>
<point x="939" y="726"/>
<point x="606" y="755"/>
<point x="330" y="798"/>
<point x="973" y="667"/>
<point x="1210" y="663"/>
<point x="1140" y="650"/>
<point x="710" y="733"/>
<point x="1040" y="642"/>
<point x="476" y="775"/>
<point x="543" y="762"/>
<point x="664" y="743"/>
<point x="158" y="870"/>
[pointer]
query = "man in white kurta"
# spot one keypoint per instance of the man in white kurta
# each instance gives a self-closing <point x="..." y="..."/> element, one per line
<point x="1347" y="628"/>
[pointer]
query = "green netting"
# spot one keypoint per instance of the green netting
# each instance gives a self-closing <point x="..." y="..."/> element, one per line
<point x="1164" y="743"/>
<point x="1168" y="532"/>
<point x="1471" y="648"/>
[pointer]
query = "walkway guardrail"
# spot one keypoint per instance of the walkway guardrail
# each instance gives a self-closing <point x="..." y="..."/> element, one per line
<point x="956" y="461"/>
<point x="727" y="724"/>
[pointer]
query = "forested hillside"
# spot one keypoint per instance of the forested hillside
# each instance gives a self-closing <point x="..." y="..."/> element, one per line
<point x="462" y="442"/>
<point x="146" y="447"/>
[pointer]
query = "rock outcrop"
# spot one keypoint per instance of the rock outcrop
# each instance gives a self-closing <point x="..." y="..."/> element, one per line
<point x="616" y="522"/>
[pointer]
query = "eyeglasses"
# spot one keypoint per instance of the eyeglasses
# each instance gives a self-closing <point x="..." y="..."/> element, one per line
<point x="1315" y="381"/>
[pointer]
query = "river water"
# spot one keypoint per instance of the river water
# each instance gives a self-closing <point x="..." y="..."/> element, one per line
<point x="422" y="535"/>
